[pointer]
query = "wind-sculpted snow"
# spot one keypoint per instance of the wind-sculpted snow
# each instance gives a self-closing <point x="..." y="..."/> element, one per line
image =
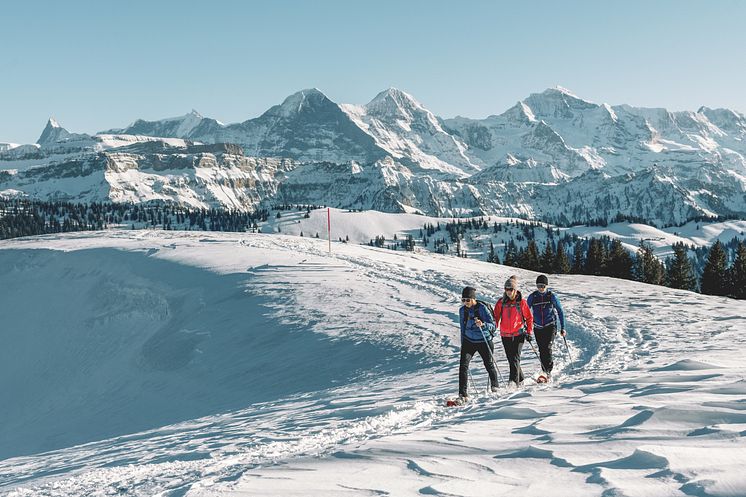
<point x="290" y="371"/>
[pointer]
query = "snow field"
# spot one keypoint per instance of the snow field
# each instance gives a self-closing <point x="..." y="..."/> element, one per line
<point x="654" y="405"/>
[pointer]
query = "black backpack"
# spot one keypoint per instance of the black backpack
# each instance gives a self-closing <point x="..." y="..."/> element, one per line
<point x="489" y="308"/>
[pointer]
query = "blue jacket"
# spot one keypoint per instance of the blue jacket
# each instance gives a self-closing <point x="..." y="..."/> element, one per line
<point x="543" y="306"/>
<point x="471" y="331"/>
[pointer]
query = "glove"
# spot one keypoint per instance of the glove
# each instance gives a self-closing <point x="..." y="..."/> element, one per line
<point x="563" y="332"/>
<point x="528" y="337"/>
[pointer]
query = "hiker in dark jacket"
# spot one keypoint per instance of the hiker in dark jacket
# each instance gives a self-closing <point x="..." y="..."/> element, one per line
<point x="516" y="324"/>
<point x="546" y="309"/>
<point x="477" y="329"/>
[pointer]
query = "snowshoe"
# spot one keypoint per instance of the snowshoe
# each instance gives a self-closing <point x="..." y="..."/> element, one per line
<point x="459" y="401"/>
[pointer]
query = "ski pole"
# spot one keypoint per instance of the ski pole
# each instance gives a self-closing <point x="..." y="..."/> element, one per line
<point x="492" y="357"/>
<point x="569" y="357"/>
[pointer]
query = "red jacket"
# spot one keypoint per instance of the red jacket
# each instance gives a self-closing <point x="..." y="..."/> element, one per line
<point x="508" y="318"/>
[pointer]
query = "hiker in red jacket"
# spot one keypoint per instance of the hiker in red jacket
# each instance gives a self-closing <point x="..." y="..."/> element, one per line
<point x="516" y="323"/>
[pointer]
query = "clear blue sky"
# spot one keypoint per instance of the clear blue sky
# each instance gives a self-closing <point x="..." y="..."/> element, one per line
<point x="95" y="65"/>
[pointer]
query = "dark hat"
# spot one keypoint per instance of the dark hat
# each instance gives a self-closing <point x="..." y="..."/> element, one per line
<point x="542" y="280"/>
<point x="469" y="293"/>
<point x="510" y="284"/>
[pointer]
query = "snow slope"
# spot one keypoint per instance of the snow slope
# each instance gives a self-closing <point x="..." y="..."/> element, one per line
<point x="361" y="227"/>
<point x="195" y="364"/>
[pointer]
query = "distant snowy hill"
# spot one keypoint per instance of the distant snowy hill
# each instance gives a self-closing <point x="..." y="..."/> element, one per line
<point x="207" y="364"/>
<point x="553" y="156"/>
<point x="362" y="227"/>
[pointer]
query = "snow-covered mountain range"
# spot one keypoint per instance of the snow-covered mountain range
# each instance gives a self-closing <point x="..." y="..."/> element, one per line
<point x="553" y="156"/>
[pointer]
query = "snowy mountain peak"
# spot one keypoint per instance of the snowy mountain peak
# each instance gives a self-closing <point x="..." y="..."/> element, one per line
<point x="405" y="128"/>
<point x="564" y="91"/>
<point x="303" y="101"/>
<point x="726" y="119"/>
<point x="395" y="103"/>
<point x="52" y="132"/>
<point x="394" y="96"/>
<point x="557" y="102"/>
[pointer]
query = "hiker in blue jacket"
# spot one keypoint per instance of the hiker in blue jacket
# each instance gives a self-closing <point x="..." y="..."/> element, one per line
<point x="546" y="308"/>
<point x="477" y="330"/>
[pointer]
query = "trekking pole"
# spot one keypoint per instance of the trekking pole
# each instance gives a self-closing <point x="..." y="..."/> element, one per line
<point x="531" y="343"/>
<point x="569" y="357"/>
<point x="492" y="357"/>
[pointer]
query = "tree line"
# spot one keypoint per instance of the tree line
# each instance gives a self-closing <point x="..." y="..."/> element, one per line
<point x="608" y="257"/>
<point x="716" y="270"/>
<point x="20" y="217"/>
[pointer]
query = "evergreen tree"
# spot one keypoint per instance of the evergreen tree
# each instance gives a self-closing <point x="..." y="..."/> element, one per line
<point x="561" y="263"/>
<point x="546" y="263"/>
<point x="532" y="256"/>
<point x="595" y="262"/>
<point x="737" y="273"/>
<point x="714" y="275"/>
<point x="679" y="273"/>
<point x="578" y="264"/>
<point x="491" y="254"/>
<point x="511" y="255"/>
<point x="648" y="268"/>
<point x="620" y="262"/>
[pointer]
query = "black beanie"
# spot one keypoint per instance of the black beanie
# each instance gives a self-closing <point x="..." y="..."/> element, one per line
<point x="542" y="280"/>
<point x="469" y="293"/>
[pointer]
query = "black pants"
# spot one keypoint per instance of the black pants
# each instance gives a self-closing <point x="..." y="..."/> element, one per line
<point x="544" y="338"/>
<point x="485" y="349"/>
<point x="513" y="346"/>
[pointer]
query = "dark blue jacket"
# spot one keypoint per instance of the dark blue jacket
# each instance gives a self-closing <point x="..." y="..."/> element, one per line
<point x="543" y="306"/>
<point x="471" y="331"/>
